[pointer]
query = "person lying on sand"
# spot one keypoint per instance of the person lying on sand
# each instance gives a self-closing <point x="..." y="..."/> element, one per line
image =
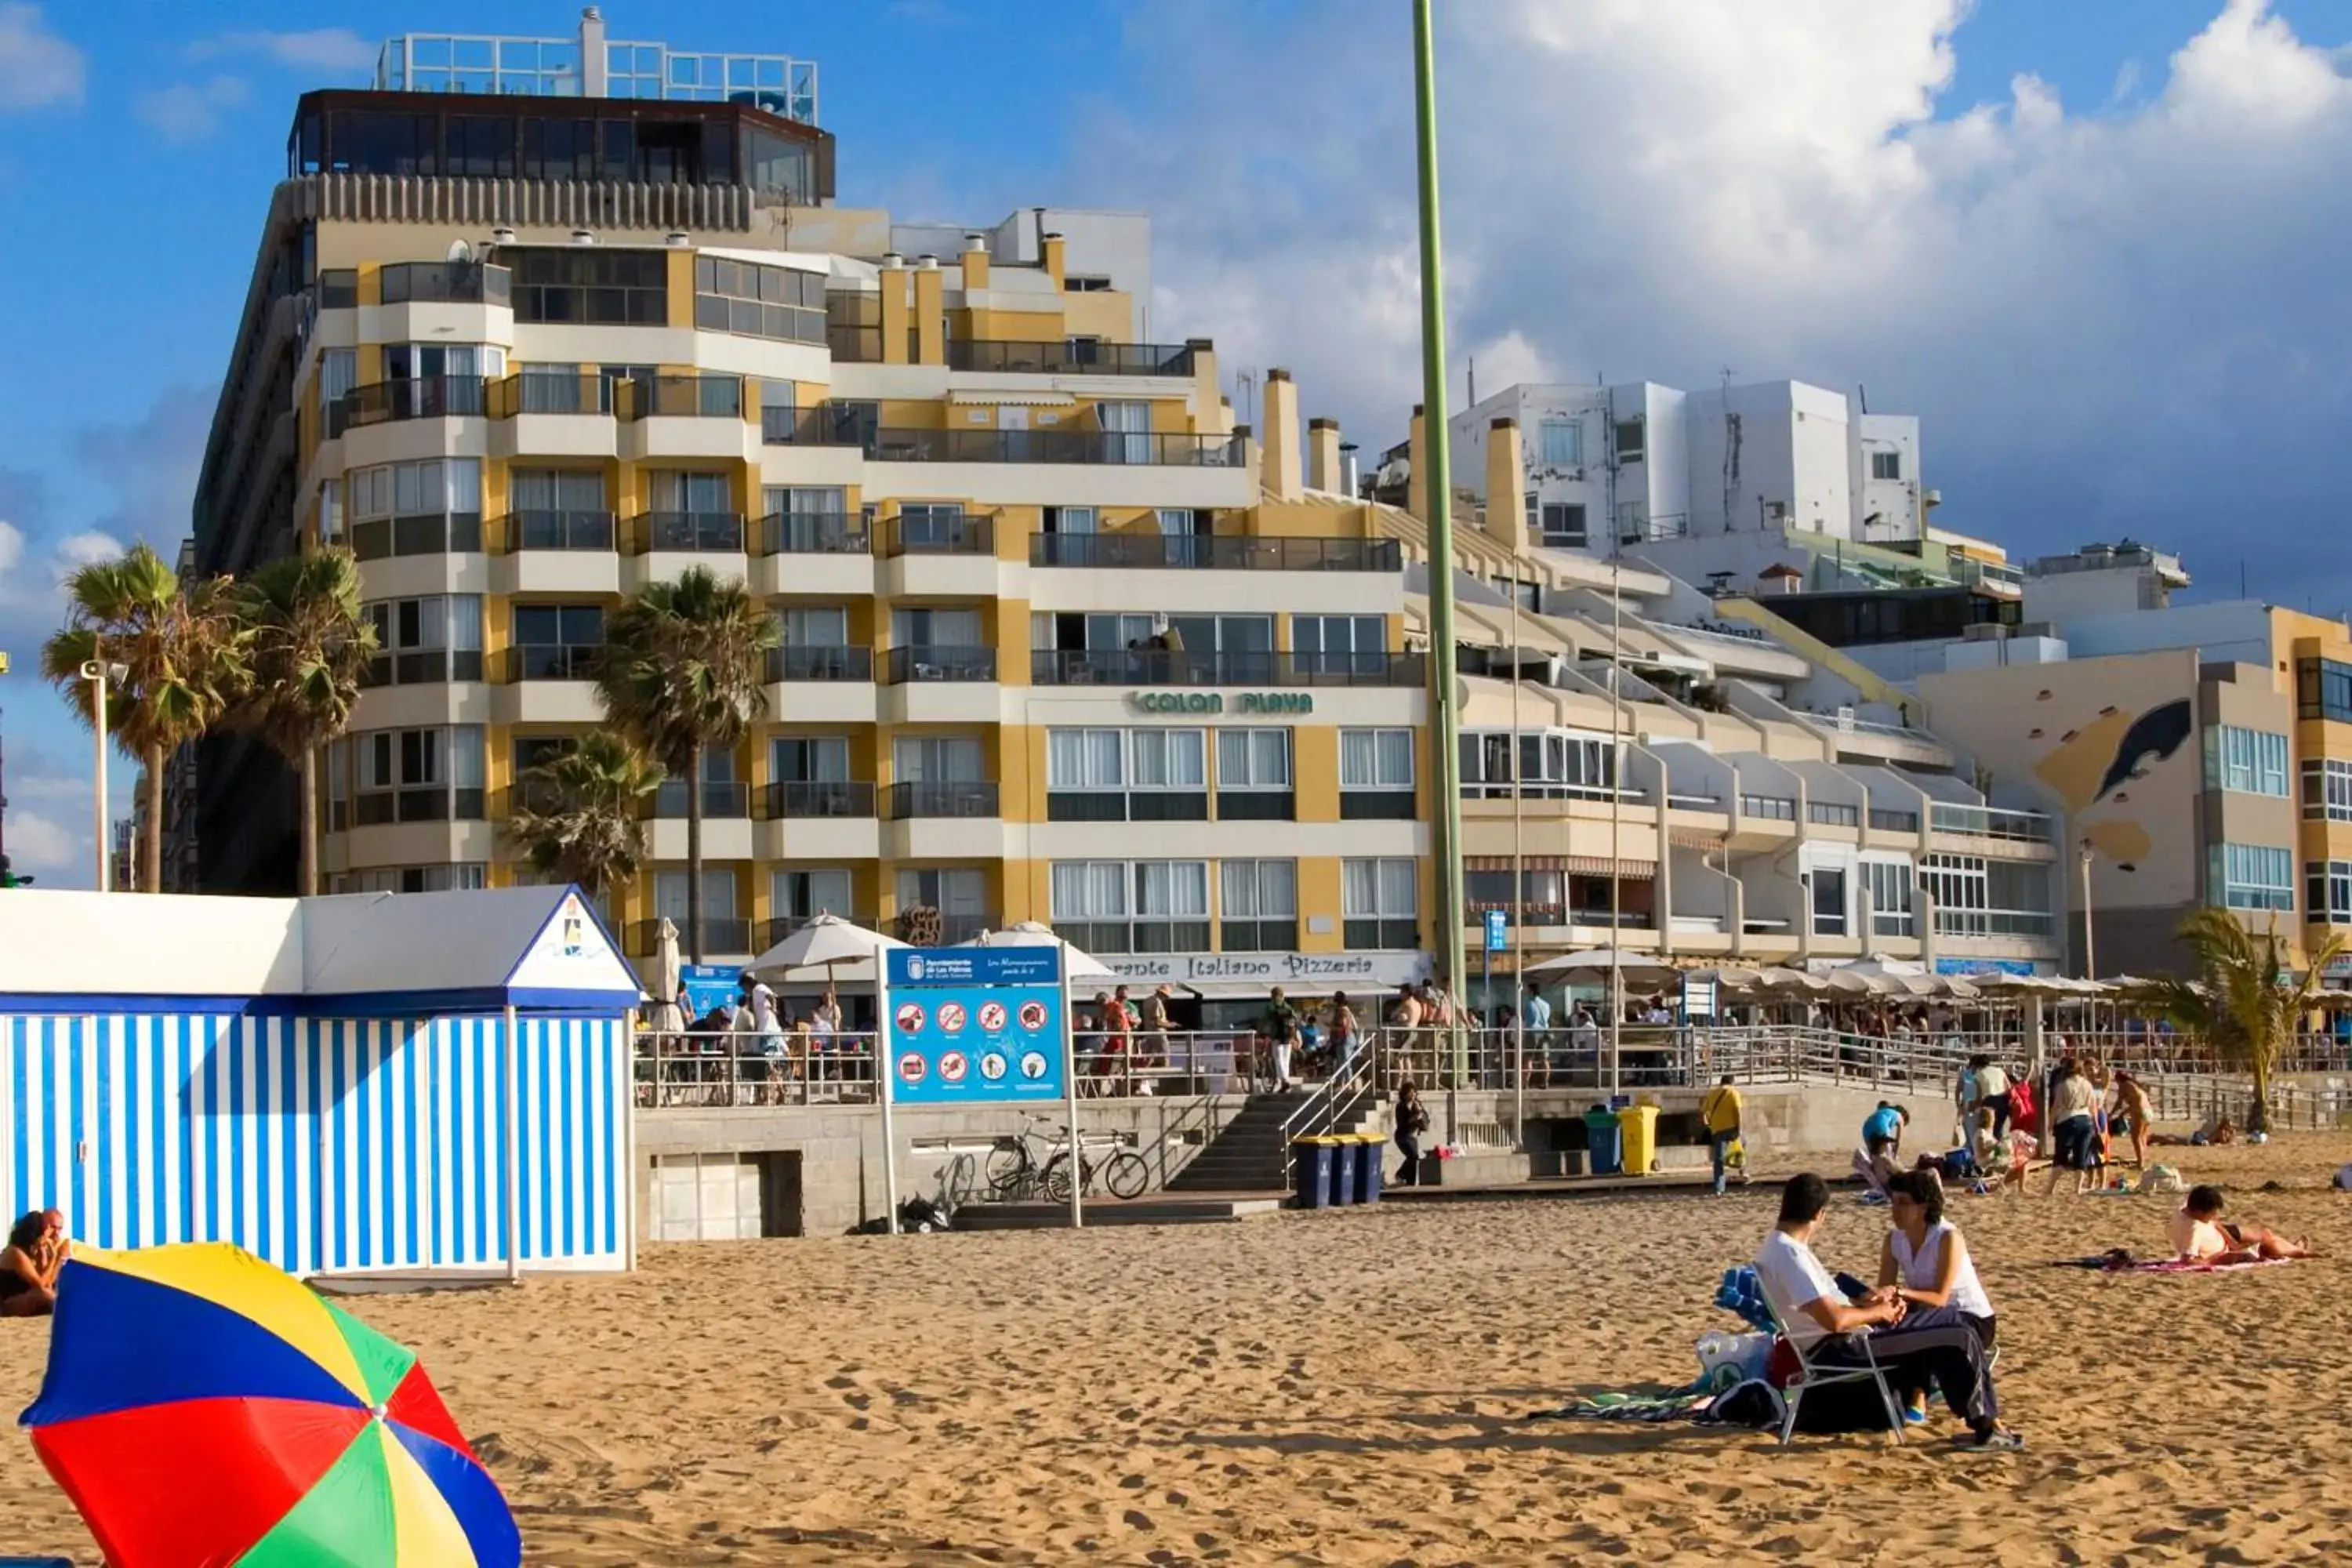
<point x="2199" y="1235"/>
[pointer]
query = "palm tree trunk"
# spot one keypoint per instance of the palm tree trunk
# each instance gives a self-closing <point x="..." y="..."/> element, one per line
<point x="694" y="853"/>
<point x="2257" y="1115"/>
<point x="152" y="881"/>
<point x="309" y="882"/>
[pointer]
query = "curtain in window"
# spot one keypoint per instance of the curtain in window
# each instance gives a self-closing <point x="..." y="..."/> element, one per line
<point x="1178" y="888"/>
<point x="1359" y="887"/>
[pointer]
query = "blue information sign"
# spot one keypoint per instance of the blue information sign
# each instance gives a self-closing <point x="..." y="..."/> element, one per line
<point x="1499" y="930"/>
<point x="975" y="1024"/>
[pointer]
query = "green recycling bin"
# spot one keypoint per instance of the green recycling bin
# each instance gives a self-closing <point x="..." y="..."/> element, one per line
<point x="1604" y="1141"/>
<point x="1310" y="1173"/>
<point x="1346" y="1152"/>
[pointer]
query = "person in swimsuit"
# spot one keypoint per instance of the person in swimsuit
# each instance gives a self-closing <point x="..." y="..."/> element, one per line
<point x="30" y="1264"/>
<point x="2199" y="1235"/>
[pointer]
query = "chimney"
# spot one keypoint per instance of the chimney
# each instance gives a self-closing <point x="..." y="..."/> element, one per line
<point x="1416" y="500"/>
<point x="930" y="311"/>
<point x="1347" y="462"/>
<point x="1055" y="252"/>
<point x="975" y="262"/>
<point x="1323" y="457"/>
<point x="1506" y="514"/>
<point x="893" y="283"/>
<point x="593" y="81"/>
<point x="1281" y="414"/>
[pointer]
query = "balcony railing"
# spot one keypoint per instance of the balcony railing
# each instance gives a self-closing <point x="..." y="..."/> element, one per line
<point x="547" y="661"/>
<point x="783" y="926"/>
<point x="1164" y="666"/>
<point x="417" y="398"/>
<point x="553" y="531"/>
<point x="1771" y="807"/>
<point x="1554" y="915"/>
<point x="794" y="798"/>
<point x="705" y="532"/>
<point x="720" y="798"/>
<point x="425" y="533"/>
<point x="1990" y="822"/>
<point x="813" y="533"/>
<point x="679" y="397"/>
<point x="799" y="661"/>
<point x="1141" y="448"/>
<point x="421" y="667"/>
<point x="937" y="662"/>
<point x="720" y="934"/>
<point x="1214" y="553"/>
<point x="420" y="803"/>
<point x="854" y="344"/>
<point x="447" y="282"/>
<point x="958" y="533"/>
<point x="1076" y="356"/>
<point x="1992" y="922"/>
<point x="958" y="798"/>
<point x="551" y="391"/>
<point x="827" y="425"/>
<point x="1887" y="821"/>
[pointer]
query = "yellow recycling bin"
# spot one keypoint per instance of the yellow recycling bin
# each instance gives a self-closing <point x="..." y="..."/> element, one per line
<point x="1637" y="1130"/>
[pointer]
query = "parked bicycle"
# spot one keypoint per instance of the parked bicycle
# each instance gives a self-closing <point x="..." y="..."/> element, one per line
<point x="1037" y="1158"/>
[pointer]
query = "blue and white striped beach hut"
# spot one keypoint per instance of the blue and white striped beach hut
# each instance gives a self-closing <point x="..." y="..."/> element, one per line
<point x="339" y="1085"/>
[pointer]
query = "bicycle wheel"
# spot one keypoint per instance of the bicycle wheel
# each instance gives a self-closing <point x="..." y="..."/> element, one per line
<point x="957" y="1182"/>
<point x="1055" y="1182"/>
<point x="1127" y="1174"/>
<point x="1008" y="1163"/>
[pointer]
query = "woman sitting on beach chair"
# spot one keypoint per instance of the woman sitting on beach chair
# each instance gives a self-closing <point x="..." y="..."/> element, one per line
<point x="2199" y="1235"/>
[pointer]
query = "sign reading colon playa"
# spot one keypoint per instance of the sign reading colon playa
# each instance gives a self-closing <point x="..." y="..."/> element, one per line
<point x="972" y="1024"/>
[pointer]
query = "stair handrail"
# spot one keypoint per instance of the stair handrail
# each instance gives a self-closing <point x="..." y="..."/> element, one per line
<point x="1325" y="1103"/>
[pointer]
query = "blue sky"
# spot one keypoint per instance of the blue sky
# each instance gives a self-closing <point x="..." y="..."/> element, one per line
<point x="1269" y="141"/>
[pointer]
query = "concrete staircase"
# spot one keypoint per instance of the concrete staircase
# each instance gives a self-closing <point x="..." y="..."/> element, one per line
<point x="1249" y="1154"/>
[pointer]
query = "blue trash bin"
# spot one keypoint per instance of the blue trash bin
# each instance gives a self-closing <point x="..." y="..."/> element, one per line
<point x="1310" y="1173"/>
<point x="1604" y="1142"/>
<point x="1371" y="1154"/>
<point x="1345" y="1156"/>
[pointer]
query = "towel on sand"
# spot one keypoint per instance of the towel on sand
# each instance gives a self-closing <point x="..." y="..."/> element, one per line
<point x="2118" y="1261"/>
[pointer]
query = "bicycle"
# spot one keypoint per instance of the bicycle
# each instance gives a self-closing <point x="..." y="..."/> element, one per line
<point x="1125" y="1174"/>
<point x="1014" y="1166"/>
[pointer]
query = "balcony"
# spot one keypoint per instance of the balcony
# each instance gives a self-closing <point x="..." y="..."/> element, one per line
<point x="1212" y="552"/>
<point x="1076" y="356"/>
<point x="636" y="397"/>
<point x="421" y="667"/>
<point x="720" y="934"/>
<point x="1990" y="822"/>
<point x="531" y="391"/>
<point x="699" y="532"/>
<point x="851" y="344"/>
<point x="1993" y="922"/>
<point x="722" y="799"/>
<point x="783" y="926"/>
<point x="1141" y="448"/>
<point x="425" y="533"/>
<point x="417" y="398"/>
<point x="422" y="803"/>
<point x="1885" y="821"/>
<point x="962" y="534"/>
<point x="812" y="533"/>
<point x="793" y="799"/>
<point x="961" y="798"/>
<point x="915" y="662"/>
<point x="810" y="662"/>
<point x="1161" y="667"/>
<point x="448" y="283"/>
<point x="547" y="661"/>
<point x="826" y="424"/>
<point x="520" y="530"/>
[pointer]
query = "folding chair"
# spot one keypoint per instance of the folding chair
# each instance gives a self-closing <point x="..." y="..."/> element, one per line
<point x="1809" y="1376"/>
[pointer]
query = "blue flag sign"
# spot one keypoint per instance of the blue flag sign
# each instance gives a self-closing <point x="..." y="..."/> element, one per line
<point x="972" y="1024"/>
<point x="1499" y="930"/>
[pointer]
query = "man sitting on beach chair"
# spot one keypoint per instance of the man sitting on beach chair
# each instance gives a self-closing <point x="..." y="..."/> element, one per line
<point x="1911" y="1345"/>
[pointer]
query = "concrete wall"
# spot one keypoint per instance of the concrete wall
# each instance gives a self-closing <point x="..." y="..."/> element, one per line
<point x="1782" y="1121"/>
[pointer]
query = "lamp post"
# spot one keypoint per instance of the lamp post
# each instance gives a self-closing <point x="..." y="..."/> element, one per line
<point x="2089" y="948"/>
<point x="100" y="673"/>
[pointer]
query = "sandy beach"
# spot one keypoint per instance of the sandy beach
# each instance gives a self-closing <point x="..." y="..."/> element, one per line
<point x="1352" y="1388"/>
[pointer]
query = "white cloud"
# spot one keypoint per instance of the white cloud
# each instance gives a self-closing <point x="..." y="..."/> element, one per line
<point x="37" y="68"/>
<point x="320" y="49"/>
<point x="38" y="846"/>
<point x="2121" y="322"/>
<point x="31" y="575"/>
<point x="190" y="111"/>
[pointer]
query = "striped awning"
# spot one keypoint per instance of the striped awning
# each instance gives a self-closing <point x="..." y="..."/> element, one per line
<point x="1689" y="838"/>
<point x="967" y="398"/>
<point x="1575" y="865"/>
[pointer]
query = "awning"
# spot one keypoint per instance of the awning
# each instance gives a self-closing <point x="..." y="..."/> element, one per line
<point x="971" y="399"/>
<point x="1575" y="865"/>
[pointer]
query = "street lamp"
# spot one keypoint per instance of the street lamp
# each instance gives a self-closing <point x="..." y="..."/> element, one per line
<point x="100" y="674"/>
<point x="2090" y="950"/>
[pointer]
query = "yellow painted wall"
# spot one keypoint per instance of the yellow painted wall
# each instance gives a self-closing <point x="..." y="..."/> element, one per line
<point x="1315" y="772"/>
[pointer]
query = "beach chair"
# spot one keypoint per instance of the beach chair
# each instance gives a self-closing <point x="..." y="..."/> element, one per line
<point x="1809" y="1376"/>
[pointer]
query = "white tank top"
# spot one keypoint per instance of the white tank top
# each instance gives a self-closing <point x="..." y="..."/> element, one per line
<point x="1919" y="1273"/>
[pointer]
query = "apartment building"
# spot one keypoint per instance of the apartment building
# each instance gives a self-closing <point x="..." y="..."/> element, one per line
<point x="1057" y="645"/>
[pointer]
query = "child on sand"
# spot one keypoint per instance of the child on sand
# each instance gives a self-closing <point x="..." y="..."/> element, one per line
<point x="2199" y="1235"/>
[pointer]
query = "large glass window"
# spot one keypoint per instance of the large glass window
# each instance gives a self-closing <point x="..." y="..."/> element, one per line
<point x="1116" y="775"/>
<point x="1559" y="443"/>
<point x="2328" y="891"/>
<point x="759" y="301"/>
<point x="425" y="508"/>
<point x="556" y="642"/>
<point x="2249" y="877"/>
<point x="1140" y="906"/>
<point x="1338" y="645"/>
<point x="1257" y="906"/>
<point x="1254" y="775"/>
<point x="800" y="894"/>
<point x="591" y="284"/>
<point x="416" y="775"/>
<point x="1888" y="883"/>
<point x="465" y="876"/>
<point x="2327" y="789"/>
<point x="433" y="638"/>
<point x="1379" y="902"/>
<point x="1829" y="900"/>
<point x="2323" y="689"/>
<point x="2250" y="761"/>
<point x="1977" y="896"/>
<point x="1550" y="765"/>
<point x="960" y="894"/>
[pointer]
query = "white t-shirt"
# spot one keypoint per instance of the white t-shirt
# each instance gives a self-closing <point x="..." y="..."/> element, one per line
<point x="1993" y="1082"/>
<point x="1919" y="1271"/>
<point x="1792" y="1279"/>
<point x="764" y="1008"/>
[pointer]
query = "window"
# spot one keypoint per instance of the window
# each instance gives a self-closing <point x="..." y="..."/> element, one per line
<point x="1258" y="906"/>
<point x="1559" y="443"/>
<point x="416" y="775"/>
<point x="2328" y="891"/>
<point x="2323" y="689"/>
<point x="1832" y="813"/>
<point x="1089" y="773"/>
<point x="434" y="638"/>
<point x="935" y="628"/>
<point x="1338" y="645"/>
<point x="2250" y="761"/>
<point x="424" y="508"/>
<point x="1376" y="775"/>
<point x="1829" y="900"/>
<point x="1070" y="519"/>
<point x="330" y="512"/>
<point x="2249" y="877"/>
<point x="959" y="894"/>
<point x="556" y="642"/>
<point x="1886" y="465"/>
<point x="1380" y="903"/>
<point x="809" y="759"/>
<point x="1888" y="883"/>
<point x="936" y="759"/>
<point x="1633" y="521"/>
<point x="746" y="298"/>
<point x="1550" y="765"/>
<point x="590" y="284"/>
<point x="338" y="372"/>
<point x="1254" y="775"/>
<point x="466" y="876"/>
<point x="1142" y="906"/>
<point x="1629" y="440"/>
<point x="2327" y="789"/>
<point x="1561" y="524"/>
<point x="722" y="932"/>
<point x="797" y="896"/>
<point x="1975" y="897"/>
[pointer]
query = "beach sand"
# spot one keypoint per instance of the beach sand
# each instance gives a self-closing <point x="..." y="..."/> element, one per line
<point x="1352" y="1388"/>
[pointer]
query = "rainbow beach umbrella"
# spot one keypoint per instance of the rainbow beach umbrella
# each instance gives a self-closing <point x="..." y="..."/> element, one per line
<point x="201" y="1407"/>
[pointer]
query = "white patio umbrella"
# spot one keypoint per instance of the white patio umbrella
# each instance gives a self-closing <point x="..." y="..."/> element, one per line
<point x="1959" y="987"/>
<point x="664" y="1015"/>
<point x="1738" y="981"/>
<point x="824" y="942"/>
<point x="1777" y="978"/>
<point x="1078" y="965"/>
<point x="1632" y="968"/>
<point x="1883" y="977"/>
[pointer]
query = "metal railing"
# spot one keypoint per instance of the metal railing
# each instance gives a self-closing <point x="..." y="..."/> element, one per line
<point x="939" y="662"/>
<point x="1990" y="822"/>
<point x="956" y="534"/>
<point x="421" y="667"/>
<point x="697" y="1071"/>
<point x="944" y="798"/>
<point x="415" y="398"/>
<point x="794" y="798"/>
<point x="813" y="533"/>
<point x="521" y="531"/>
<point x="1139" y="448"/>
<point x="708" y="532"/>
<point x="547" y="661"/>
<point x="800" y="661"/>
<point x="1072" y="356"/>
<point x="1214" y="553"/>
<point x="418" y="534"/>
<point x="1180" y="666"/>
<point x="1665" y="525"/>
<point x="677" y="397"/>
<point x="851" y="344"/>
<point x="724" y="798"/>
<point x="548" y="390"/>
<point x="720" y="934"/>
<point x="783" y="926"/>
<point x="447" y="282"/>
<point x="1887" y="821"/>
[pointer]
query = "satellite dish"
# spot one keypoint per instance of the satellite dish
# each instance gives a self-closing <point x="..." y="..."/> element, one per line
<point x="459" y="250"/>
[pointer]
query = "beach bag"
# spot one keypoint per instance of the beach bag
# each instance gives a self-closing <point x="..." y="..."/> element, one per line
<point x="2164" y="1179"/>
<point x="1747" y="1355"/>
<point x="1753" y="1403"/>
<point x="1735" y="1155"/>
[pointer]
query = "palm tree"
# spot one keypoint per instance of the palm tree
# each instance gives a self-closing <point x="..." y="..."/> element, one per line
<point x="577" y="816"/>
<point x="310" y="645"/>
<point x="2241" y="998"/>
<point x="682" y="671"/>
<point x="182" y="656"/>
